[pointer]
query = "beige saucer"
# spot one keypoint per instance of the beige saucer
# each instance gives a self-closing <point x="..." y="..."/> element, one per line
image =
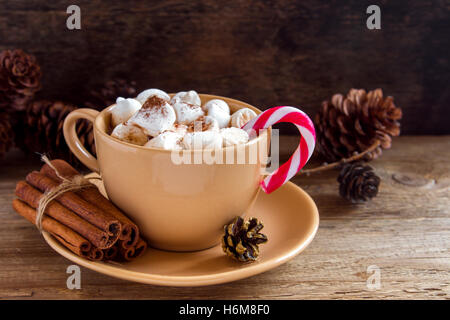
<point x="290" y="218"/>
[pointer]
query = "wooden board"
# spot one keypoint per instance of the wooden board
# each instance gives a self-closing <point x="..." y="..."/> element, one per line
<point x="405" y="231"/>
<point x="266" y="53"/>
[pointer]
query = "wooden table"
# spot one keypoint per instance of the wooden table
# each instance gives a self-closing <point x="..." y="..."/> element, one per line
<point x="404" y="231"/>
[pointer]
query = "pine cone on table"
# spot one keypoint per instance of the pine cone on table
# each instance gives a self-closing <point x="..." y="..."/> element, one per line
<point x="111" y="90"/>
<point x="358" y="182"/>
<point x="43" y="130"/>
<point x="20" y="79"/>
<point x="6" y="133"/>
<point x="353" y="123"/>
<point x="241" y="239"/>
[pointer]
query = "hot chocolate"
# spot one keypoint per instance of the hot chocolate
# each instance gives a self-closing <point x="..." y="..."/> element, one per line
<point x="154" y="120"/>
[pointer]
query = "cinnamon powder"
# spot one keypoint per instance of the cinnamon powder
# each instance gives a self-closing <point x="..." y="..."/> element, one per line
<point x="155" y="104"/>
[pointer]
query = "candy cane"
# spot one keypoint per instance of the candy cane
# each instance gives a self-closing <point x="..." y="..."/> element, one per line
<point x="301" y="154"/>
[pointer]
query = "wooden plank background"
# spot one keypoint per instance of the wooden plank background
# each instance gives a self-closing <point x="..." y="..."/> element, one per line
<point x="263" y="52"/>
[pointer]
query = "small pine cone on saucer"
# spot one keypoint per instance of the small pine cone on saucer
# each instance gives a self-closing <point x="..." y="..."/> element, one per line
<point x="111" y="90"/>
<point x="353" y="123"/>
<point x="241" y="239"/>
<point x="20" y="79"/>
<point x="6" y="134"/>
<point x="358" y="182"/>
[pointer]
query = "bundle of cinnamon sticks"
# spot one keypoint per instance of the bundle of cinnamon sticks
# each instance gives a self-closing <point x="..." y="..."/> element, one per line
<point x="84" y="221"/>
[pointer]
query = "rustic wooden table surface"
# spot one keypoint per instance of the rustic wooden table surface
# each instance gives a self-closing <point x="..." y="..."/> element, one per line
<point x="405" y="232"/>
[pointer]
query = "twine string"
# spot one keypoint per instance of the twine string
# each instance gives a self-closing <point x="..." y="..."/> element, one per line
<point x="77" y="182"/>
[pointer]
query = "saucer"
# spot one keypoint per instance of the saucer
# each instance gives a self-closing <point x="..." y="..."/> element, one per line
<point x="290" y="219"/>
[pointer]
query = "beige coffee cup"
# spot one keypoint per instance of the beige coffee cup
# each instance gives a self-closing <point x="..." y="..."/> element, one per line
<point x="179" y="207"/>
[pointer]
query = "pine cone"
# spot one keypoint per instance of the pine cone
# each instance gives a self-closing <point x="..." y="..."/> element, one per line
<point x="43" y="130"/>
<point x="6" y="134"/>
<point x="20" y="79"/>
<point x="358" y="182"/>
<point x="353" y="123"/>
<point x="107" y="95"/>
<point x="241" y="239"/>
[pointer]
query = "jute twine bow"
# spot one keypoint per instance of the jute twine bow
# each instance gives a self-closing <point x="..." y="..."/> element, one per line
<point x="77" y="182"/>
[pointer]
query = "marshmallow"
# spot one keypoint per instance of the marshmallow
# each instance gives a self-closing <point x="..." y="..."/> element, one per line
<point x="123" y="110"/>
<point x="186" y="112"/>
<point x="155" y="116"/>
<point x="206" y="123"/>
<point x="144" y="95"/>
<point x="202" y="140"/>
<point x="167" y="140"/>
<point x="190" y="97"/>
<point x="219" y="110"/>
<point x="130" y="134"/>
<point x="222" y="105"/>
<point x="179" y="128"/>
<point x="241" y="117"/>
<point x="222" y="118"/>
<point x="233" y="136"/>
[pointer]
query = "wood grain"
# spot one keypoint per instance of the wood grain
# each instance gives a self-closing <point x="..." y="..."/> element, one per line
<point x="267" y="53"/>
<point x="405" y="231"/>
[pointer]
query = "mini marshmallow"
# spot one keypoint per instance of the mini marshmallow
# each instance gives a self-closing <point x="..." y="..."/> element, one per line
<point x="233" y="136"/>
<point x="130" y="134"/>
<point x="186" y="112"/>
<point x="155" y="116"/>
<point x="179" y="128"/>
<point x="219" y="110"/>
<point x="221" y="116"/>
<point x="205" y="123"/>
<point x="241" y="117"/>
<point x="123" y="110"/>
<point x="202" y="140"/>
<point x="167" y="140"/>
<point x="190" y="97"/>
<point x="144" y="95"/>
<point x="220" y="104"/>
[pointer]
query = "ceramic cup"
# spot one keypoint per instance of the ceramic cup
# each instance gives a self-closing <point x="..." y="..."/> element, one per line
<point x="178" y="207"/>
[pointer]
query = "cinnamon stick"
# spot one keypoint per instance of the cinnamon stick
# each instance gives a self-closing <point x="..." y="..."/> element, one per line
<point x="126" y="253"/>
<point x="140" y="248"/>
<point x="66" y="236"/>
<point x="134" y="252"/>
<point x="81" y="207"/>
<point x="111" y="253"/>
<point x="31" y="196"/>
<point x="96" y="254"/>
<point x="130" y="232"/>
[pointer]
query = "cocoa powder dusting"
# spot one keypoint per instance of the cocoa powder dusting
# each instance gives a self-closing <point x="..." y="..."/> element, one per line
<point x="155" y="104"/>
<point x="192" y="106"/>
<point x="191" y="127"/>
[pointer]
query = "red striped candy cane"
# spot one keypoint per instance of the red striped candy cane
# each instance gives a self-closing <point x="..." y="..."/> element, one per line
<point x="301" y="154"/>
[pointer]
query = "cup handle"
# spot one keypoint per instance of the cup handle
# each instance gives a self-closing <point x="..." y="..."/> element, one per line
<point x="72" y="140"/>
<point x="303" y="152"/>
